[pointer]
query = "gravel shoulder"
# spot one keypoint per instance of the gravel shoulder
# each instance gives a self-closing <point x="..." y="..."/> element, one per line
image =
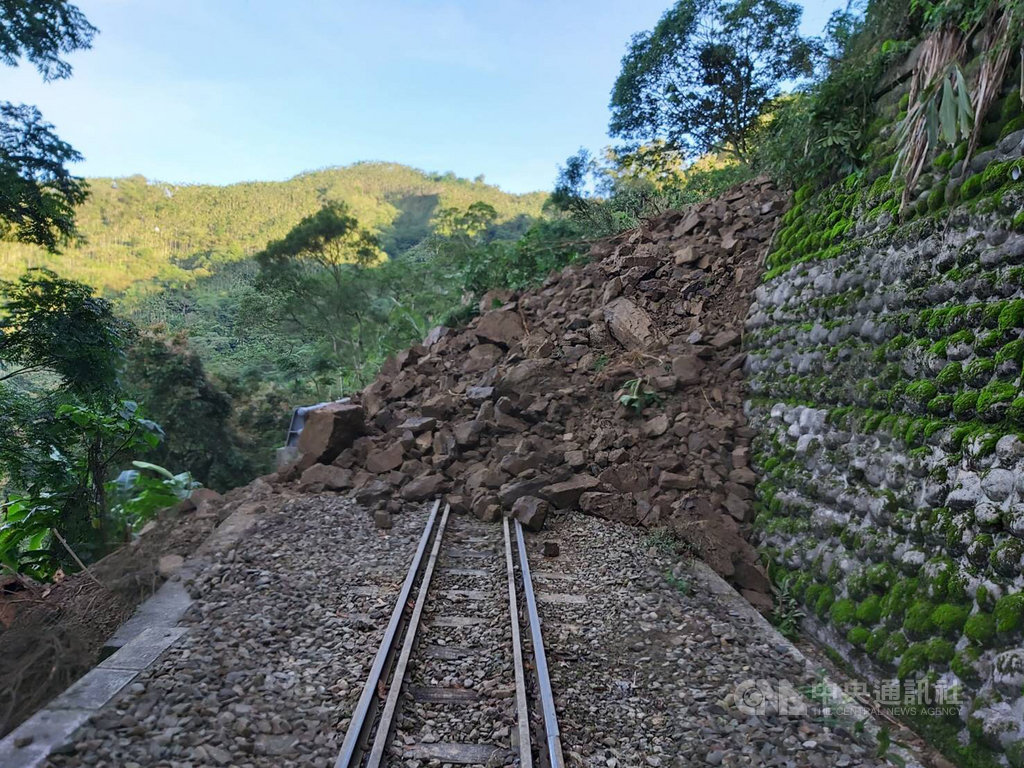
<point x="652" y="669"/>
<point x="282" y="633"/>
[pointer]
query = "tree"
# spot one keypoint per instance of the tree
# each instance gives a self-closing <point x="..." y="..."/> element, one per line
<point x="55" y="325"/>
<point x="63" y="424"/>
<point x="702" y="77"/>
<point x="313" y="275"/>
<point x="193" y="410"/>
<point x="38" y="194"/>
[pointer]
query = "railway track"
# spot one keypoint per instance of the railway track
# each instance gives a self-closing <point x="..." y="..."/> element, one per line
<point x="457" y="679"/>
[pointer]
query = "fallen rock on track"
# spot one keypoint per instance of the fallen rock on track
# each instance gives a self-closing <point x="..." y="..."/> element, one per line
<point x="615" y="388"/>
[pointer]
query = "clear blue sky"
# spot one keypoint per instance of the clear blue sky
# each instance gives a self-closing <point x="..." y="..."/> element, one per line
<point x="219" y="91"/>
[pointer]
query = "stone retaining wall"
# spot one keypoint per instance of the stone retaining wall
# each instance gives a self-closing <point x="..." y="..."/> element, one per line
<point x="884" y="377"/>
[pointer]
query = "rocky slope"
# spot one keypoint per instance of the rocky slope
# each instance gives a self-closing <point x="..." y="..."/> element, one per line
<point x="615" y="389"/>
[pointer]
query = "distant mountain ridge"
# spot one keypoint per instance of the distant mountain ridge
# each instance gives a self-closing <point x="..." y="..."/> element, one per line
<point x="140" y="233"/>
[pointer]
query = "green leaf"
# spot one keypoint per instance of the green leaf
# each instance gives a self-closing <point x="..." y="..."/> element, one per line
<point x="948" y="113"/>
<point x="153" y="468"/>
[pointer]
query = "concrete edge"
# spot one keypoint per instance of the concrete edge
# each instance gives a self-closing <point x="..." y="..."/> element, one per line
<point x="32" y="742"/>
<point x="139" y="643"/>
<point x="853" y="711"/>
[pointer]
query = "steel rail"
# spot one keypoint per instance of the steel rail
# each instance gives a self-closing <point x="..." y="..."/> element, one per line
<point x="359" y="716"/>
<point x="380" y="742"/>
<point x="544" y="681"/>
<point x="523" y="711"/>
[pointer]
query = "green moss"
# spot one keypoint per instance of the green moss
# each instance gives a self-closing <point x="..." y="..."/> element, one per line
<point x="994" y="394"/>
<point x="843" y="612"/>
<point x="918" y="621"/>
<point x="880" y="575"/>
<point x="943" y="161"/>
<point x="995" y="175"/>
<point x="1014" y="351"/>
<point x="1005" y="557"/>
<point x="979" y="371"/>
<point x="858" y="636"/>
<point x="1015" y="124"/>
<point x="971" y="188"/>
<point x="922" y="391"/>
<point x="870" y="610"/>
<point x="876" y="641"/>
<point x="824" y="602"/>
<point x="914" y="659"/>
<point x="963" y="664"/>
<point x="899" y="598"/>
<point x="1012" y="315"/>
<point x="964" y="404"/>
<point x="940" y="651"/>
<point x="949" y="618"/>
<point x="980" y="629"/>
<point x="1018" y="222"/>
<point x="951" y="375"/>
<point x="940" y="405"/>
<point x="894" y="646"/>
<point x="990" y="340"/>
<point x="1009" y="613"/>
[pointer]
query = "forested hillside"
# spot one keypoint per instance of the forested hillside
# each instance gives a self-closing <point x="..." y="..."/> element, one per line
<point x="137" y="231"/>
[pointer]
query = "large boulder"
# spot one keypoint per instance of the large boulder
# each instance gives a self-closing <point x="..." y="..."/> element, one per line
<point x="631" y="326"/>
<point x="536" y="375"/>
<point x="618" y="507"/>
<point x="531" y="512"/>
<point x="329" y="431"/>
<point x="500" y="326"/>
<point x="567" y="494"/>
<point x="385" y="459"/>
<point x="326" y="477"/>
<point x="423" y="488"/>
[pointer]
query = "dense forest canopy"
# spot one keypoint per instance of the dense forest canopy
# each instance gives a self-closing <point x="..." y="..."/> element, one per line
<point x="137" y="232"/>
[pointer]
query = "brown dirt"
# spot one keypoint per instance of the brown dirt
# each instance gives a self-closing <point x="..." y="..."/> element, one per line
<point x="54" y="633"/>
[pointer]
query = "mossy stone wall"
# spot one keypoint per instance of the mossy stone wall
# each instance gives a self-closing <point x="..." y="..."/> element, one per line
<point x="885" y="353"/>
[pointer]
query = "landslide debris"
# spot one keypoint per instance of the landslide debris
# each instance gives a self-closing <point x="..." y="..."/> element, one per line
<point x="615" y="389"/>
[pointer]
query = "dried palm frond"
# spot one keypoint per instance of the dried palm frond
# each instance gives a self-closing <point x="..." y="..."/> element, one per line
<point x="996" y="33"/>
<point x="939" y="104"/>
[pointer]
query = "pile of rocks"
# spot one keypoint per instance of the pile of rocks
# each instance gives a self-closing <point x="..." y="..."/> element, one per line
<point x="615" y="389"/>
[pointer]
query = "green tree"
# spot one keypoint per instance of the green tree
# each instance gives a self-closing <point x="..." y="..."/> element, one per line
<point x="48" y="323"/>
<point x="37" y="192"/>
<point x="702" y="77"/>
<point x="314" y="277"/>
<point x="63" y="425"/>
<point x="195" y="413"/>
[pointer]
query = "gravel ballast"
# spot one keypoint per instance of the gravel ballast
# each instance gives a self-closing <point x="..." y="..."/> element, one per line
<point x="286" y="622"/>
<point x="284" y="628"/>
